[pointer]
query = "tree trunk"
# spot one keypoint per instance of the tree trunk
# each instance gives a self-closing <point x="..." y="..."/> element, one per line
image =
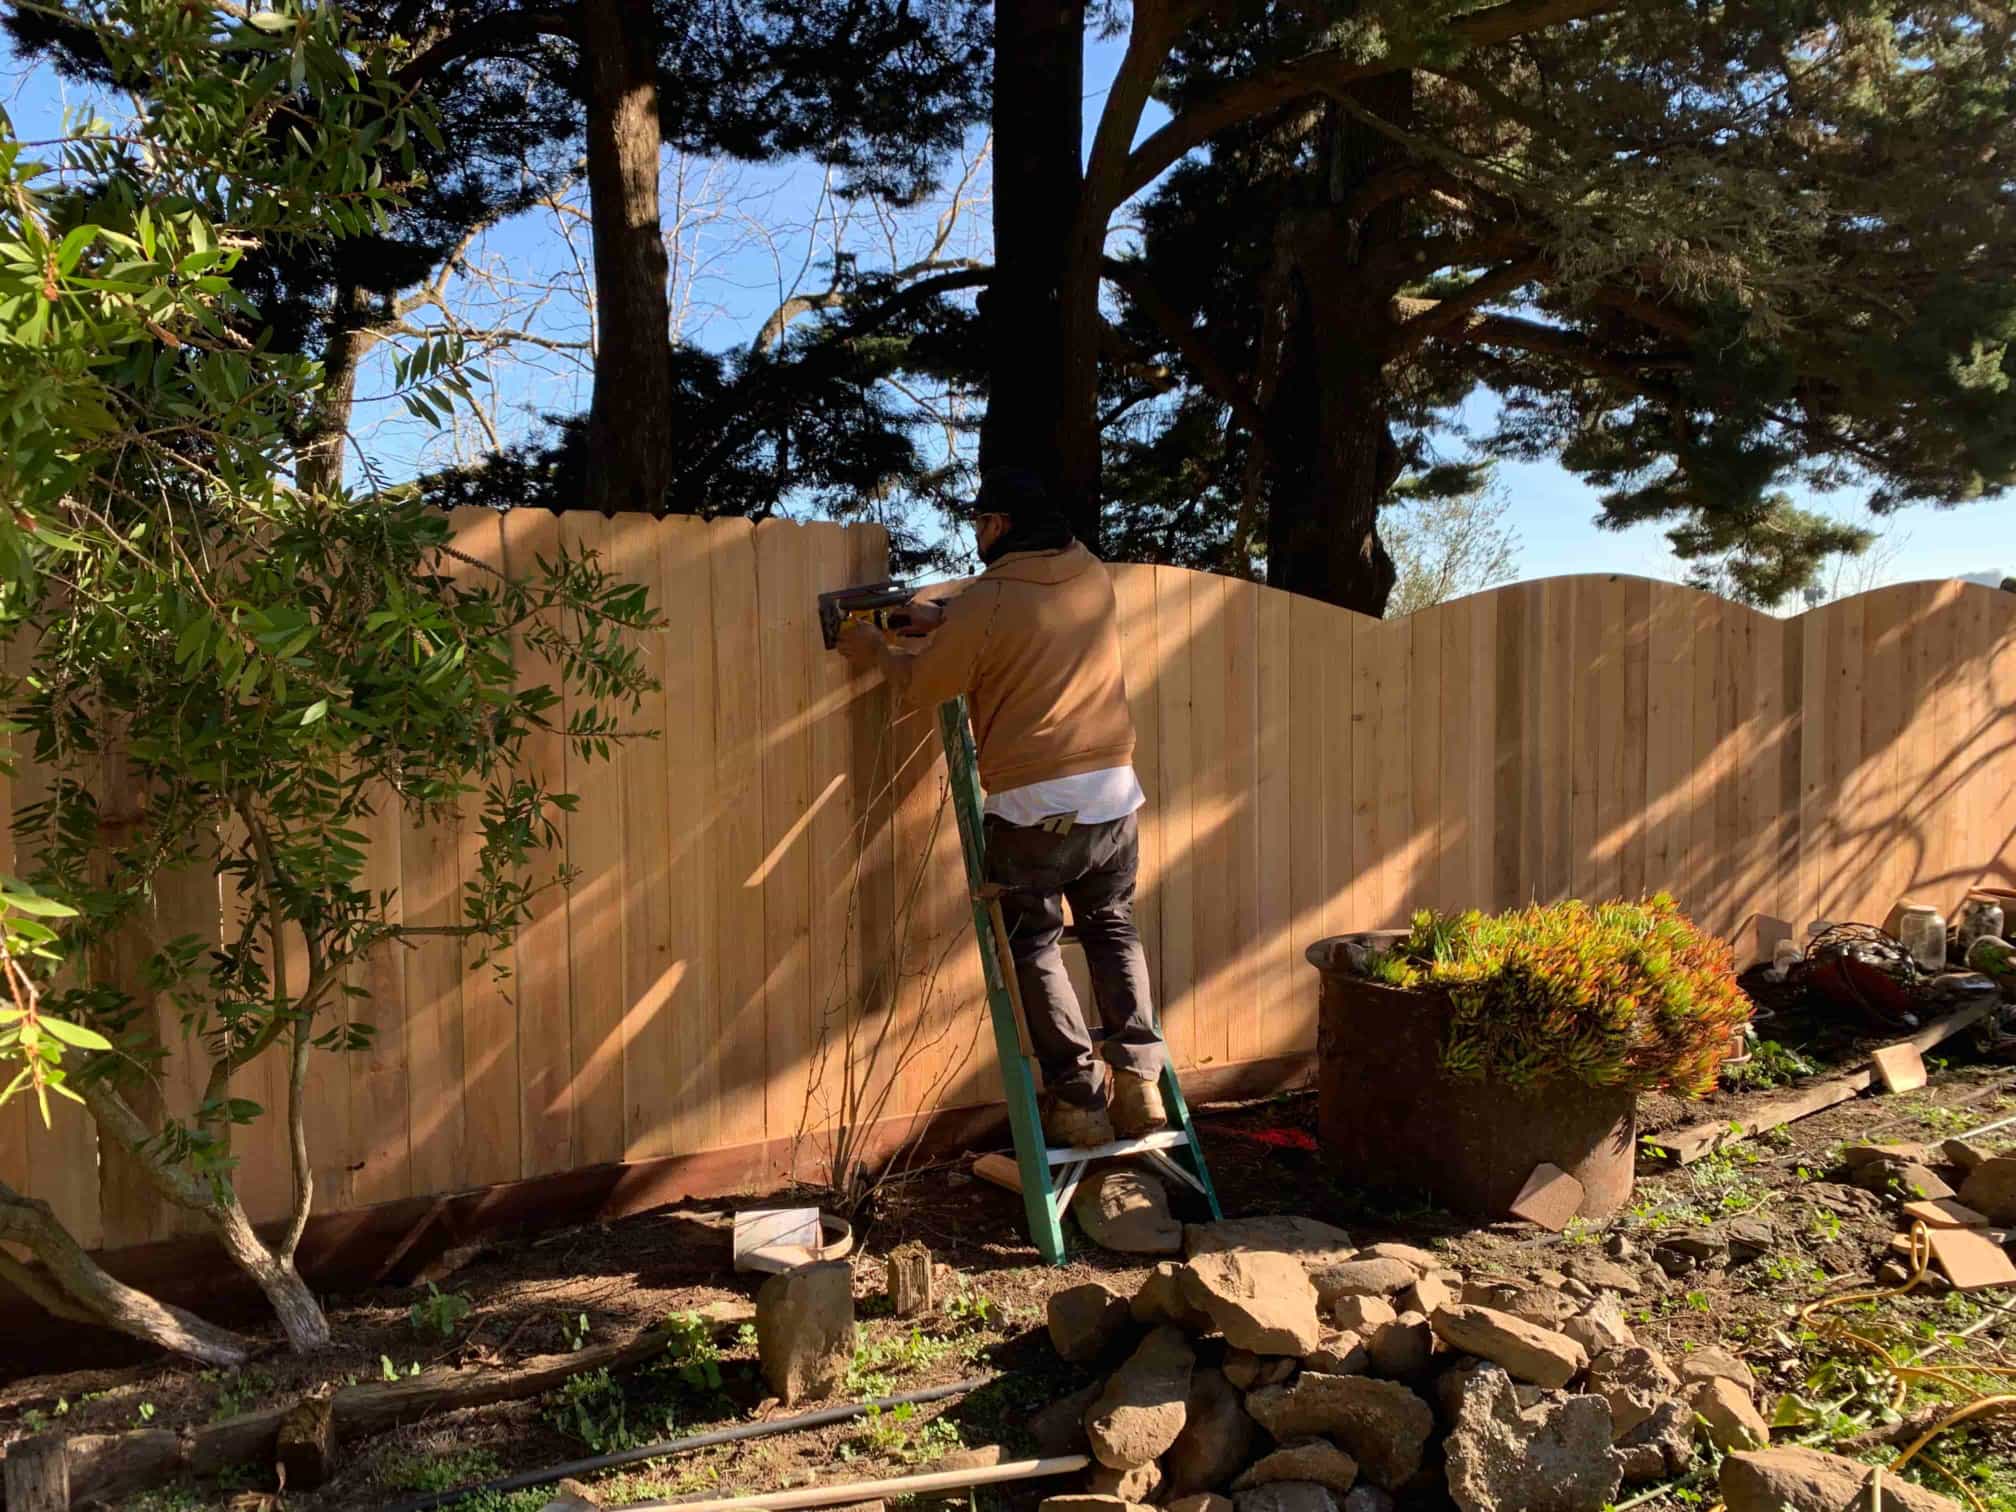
<point x="74" y="1287"/>
<point x="630" y="413"/>
<point x="1038" y="415"/>
<point x="318" y="465"/>
<point x="1333" y="459"/>
<point x="301" y="1316"/>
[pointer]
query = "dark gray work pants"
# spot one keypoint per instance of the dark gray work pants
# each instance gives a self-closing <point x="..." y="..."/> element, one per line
<point x="1093" y="865"/>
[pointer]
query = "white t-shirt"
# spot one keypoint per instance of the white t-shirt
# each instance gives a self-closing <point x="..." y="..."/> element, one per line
<point x="1093" y="797"/>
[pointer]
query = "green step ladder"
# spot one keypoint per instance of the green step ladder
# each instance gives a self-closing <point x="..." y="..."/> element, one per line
<point x="1176" y="1151"/>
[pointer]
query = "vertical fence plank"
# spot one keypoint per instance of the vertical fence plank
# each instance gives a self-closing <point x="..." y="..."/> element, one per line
<point x="650" y="970"/>
<point x="1314" y="795"/>
<point x="1211" y="819"/>
<point x="491" y="1076"/>
<point x="738" y="855"/>
<point x="1180" y="862"/>
<point x="1141" y="657"/>
<point x="379" y="1092"/>
<point x="783" y="592"/>
<point x="1669" y="752"/>
<point x="1587" y="717"/>
<point x="595" y="917"/>
<point x="542" y="977"/>
<point x="1268" y="1025"/>
<point x="1336" y="639"/>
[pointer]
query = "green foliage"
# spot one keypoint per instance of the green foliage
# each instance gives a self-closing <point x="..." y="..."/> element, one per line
<point x="238" y="1391"/>
<point x="439" y="1313"/>
<point x="437" y="1469"/>
<point x="259" y="674"/>
<point x="1613" y="995"/>
<point x="605" y="1412"/>
<point x="879" y="1363"/>
<point x="592" y="1409"/>
<point x="1770" y="1065"/>
<point x="897" y="1434"/>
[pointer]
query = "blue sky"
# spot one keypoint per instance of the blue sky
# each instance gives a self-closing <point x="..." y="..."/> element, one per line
<point x="752" y="243"/>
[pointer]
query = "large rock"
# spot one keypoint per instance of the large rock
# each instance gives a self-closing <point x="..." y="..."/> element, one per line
<point x="1216" y="1439"/>
<point x="1634" y="1380"/>
<point x="1732" y="1418"/>
<point x="1249" y="1371"/>
<point x="1905" y="1179"/>
<point x="1142" y="1410"/>
<point x="1712" y="1364"/>
<point x="1363" y="1315"/>
<point x="1545" y="1306"/>
<point x="1341" y="1353"/>
<point x="1602" y="1274"/>
<point x="1805" y="1480"/>
<point x="1258" y="1299"/>
<point x="1311" y="1459"/>
<point x="1362" y="1278"/>
<point x="1402" y="1348"/>
<point x="1086" y="1321"/>
<point x="1126" y="1211"/>
<point x="1422" y="1260"/>
<point x="1660" y="1446"/>
<point x="1551" y="1457"/>
<point x="1425" y="1295"/>
<point x="1287" y="1496"/>
<point x="1381" y="1424"/>
<point x="1161" y="1300"/>
<point x="1600" y="1326"/>
<point x="1314" y="1244"/>
<point x="1990" y="1188"/>
<point x="1059" y="1428"/>
<point x="1683" y="1254"/>
<point x="1142" y="1484"/>
<point x="1368" y="1499"/>
<point x="1964" y="1154"/>
<point x="1529" y="1352"/>
<point x="805" y="1330"/>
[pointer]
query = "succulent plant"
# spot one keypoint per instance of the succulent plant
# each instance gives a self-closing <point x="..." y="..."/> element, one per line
<point x="1609" y="995"/>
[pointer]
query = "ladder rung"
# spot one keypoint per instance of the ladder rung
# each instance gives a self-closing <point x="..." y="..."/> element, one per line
<point x="1168" y="1139"/>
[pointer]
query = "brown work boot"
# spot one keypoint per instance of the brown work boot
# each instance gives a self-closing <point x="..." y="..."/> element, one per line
<point x="1083" y="1128"/>
<point x="1137" y="1105"/>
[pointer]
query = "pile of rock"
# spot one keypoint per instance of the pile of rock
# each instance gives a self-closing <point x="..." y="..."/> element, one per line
<point x="1282" y="1369"/>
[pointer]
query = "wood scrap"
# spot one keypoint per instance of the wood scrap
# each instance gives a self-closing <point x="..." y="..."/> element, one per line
<point x="849" y="1492"/>
<point x="109" y="1465"/>
<point x="1550" y="1198"/>
<point x="36" y="1475"/>
<point x="999" y="1169"/>
<point x="1945" y="1212"/>
<point x="1972" y="1261"/>
<point x="1696" y="1140"/>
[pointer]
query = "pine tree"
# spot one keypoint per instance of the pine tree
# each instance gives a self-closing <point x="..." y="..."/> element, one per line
<point x="1700" y="252"/>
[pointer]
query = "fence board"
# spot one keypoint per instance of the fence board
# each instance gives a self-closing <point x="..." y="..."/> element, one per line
<point x="769" y="932"/>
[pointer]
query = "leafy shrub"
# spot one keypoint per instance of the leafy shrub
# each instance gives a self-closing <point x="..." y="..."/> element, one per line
<point x="438" y="1313"/>
<point x="1613" y="995"/>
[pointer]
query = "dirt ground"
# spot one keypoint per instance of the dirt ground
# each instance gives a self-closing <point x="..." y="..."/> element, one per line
<point x="542" y="1293"/>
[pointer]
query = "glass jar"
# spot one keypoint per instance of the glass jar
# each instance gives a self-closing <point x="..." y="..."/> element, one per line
<point x="1921" y="929"/>
<point x="1980" y="916"/>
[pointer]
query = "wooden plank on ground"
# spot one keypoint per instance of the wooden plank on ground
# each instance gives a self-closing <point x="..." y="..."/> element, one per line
<point x="1691" y="1143"/>
<point x="542" y="979"/>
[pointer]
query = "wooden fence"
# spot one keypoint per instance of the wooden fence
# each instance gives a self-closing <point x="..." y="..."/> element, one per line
<point x="769" y="934"/>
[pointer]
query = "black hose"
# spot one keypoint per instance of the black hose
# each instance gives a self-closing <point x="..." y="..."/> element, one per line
<point x="820" y="1419"/>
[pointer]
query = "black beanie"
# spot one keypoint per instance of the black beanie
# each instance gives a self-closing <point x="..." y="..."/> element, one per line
<point x="1035" y="523"/>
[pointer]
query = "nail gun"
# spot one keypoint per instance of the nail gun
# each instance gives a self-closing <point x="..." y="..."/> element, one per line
<point x="882" y="605"/>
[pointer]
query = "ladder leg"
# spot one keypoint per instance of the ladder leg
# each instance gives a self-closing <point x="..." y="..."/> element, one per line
<point x="1039" y="1200"/>
<point x="1191" y="1152"/>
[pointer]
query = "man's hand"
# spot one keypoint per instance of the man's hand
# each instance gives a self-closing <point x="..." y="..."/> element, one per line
<point x="861" y="644"/>
<point x="918" y="617"/>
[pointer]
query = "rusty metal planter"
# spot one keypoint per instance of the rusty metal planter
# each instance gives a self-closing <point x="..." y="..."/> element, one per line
<point x="1389" y="1117"/>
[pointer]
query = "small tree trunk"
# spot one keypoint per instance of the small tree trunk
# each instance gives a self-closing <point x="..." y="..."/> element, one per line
<point x="301" y="1316"/>
<point x="73" y="1286"/>
<point x="630" y="412"/>
<point x="1040" y="414"/>
<point x="319" y="464"/>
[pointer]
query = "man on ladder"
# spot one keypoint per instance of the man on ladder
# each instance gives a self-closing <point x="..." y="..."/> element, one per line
<point x="1034" y="645"/>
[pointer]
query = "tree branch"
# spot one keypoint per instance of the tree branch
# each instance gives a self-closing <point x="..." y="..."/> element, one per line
<point x="1445" y="314"/>
<point x="496" y="30"/>
<point x="1321" y="73"/>
<point x="1184" y="336"/>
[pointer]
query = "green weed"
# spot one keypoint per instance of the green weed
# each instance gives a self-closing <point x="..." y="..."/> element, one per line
<point x="238" y="1391"/>
<point x="897" y="1435"/>
<point x="1770" y="1065"/>
<point x="438" y="1470"/>
<point x="439" y="1313"/>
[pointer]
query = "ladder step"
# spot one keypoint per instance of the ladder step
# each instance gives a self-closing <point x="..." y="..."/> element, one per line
<point x="1167" y="1139"/>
